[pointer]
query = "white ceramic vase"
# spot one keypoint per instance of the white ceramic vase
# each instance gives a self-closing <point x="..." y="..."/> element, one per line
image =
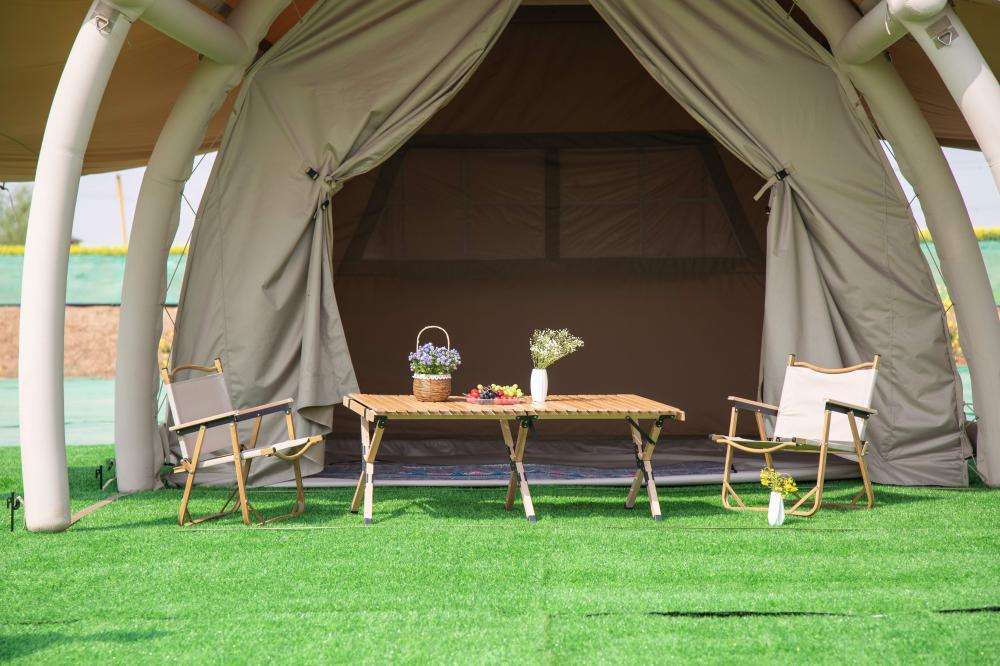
<point x="539" y="385"/>
<point x="776" y="509"/>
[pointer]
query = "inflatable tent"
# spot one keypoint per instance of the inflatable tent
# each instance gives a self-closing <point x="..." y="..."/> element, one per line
<point x="492" y="168"/>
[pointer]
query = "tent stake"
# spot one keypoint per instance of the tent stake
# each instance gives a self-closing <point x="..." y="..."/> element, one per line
<point x="13" y="503"/>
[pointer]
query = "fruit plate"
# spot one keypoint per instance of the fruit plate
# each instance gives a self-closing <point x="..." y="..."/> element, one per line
<point x="493" y="401"/>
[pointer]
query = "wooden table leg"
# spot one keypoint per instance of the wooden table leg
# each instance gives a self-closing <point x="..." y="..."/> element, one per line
<point x="633" y="490"/>
<point x="511" y="489"/>
<point x="359" y="491"/>
<point x="369" y="491"/>
<point x="518" y="475"/>
<point x="644" y="445"/>
<point x="508" y="440"/>
<point x="367" y="481"/>
<point x="654" y="500"/>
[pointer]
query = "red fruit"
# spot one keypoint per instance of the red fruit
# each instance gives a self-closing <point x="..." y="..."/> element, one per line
<point x="474" y="393"/>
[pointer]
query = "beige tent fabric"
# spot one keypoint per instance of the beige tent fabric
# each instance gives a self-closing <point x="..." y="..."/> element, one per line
<point x="646" y="290"/>
<point x="845" y="276"/>
<point x="258" y="228"/>
<point x="149" y="74"/>
<point x="327" y="103"/>
<point x="153" y="68"/>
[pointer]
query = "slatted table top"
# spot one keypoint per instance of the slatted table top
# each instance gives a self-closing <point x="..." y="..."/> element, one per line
<point x="611" y="406"/>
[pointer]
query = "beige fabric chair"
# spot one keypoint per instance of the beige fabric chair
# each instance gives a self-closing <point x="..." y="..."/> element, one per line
<point x="200" y="407"/>
<point x="822" y="410"/>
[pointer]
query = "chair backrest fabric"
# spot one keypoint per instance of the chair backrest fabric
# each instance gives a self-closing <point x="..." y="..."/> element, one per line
<point x="803" y="401"/>
<point x="197" y="398"/>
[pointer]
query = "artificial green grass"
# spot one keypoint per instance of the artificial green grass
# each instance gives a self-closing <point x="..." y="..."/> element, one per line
<point x="446" y="575"/>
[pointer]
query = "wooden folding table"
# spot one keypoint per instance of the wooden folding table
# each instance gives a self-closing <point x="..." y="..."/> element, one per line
<point x="376" y="411"/>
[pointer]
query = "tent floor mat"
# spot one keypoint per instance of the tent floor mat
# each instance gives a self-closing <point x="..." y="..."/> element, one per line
<point x="679" y="464"/>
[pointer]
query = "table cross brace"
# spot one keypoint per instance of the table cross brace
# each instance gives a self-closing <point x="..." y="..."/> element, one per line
<point x="518" y="477"/>
<point x="643" y="445"/>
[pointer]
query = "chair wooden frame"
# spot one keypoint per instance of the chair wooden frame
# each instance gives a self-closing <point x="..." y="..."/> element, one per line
<point x="767" y="446"/>
<point x="242" y="456"/>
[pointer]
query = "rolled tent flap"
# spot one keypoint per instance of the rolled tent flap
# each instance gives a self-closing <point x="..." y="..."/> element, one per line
<point x="328" y="102"/>
<point x="845" y="275"/>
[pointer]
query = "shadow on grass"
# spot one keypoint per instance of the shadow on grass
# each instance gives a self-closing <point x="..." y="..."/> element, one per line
<point x="330" y="506"/>
<point x="568" y="502"/>
<point x="21" y="645"/>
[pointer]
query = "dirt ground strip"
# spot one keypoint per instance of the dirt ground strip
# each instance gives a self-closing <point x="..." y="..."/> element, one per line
<point x="91" y="340"/>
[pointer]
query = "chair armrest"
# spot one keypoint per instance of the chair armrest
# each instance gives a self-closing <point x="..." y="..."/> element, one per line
<point x="262" y="410"/>
<point x="846" y="408"/>
<point x="753" y="406"/>
<point x="208" y="422"/>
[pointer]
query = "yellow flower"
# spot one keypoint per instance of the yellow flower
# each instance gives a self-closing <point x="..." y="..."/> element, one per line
<point x="778" y="482"/>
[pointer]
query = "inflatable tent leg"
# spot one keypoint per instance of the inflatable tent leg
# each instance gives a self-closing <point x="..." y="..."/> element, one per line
<point x="153" y="228"/>
<point x="923" y="163"/>
<point x="972" y="84"/>
<point x="46" y="258"/>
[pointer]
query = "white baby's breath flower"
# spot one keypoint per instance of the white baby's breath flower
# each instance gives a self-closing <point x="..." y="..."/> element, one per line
<point x="548" y="346"/>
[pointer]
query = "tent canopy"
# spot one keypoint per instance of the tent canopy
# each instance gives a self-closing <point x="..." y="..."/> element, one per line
<point x="153" y="68"/>
<point x="512" y="169"/>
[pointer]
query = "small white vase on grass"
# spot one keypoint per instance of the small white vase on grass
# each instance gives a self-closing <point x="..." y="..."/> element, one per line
<point x="539" y="385"/>
<point x="776" y="509"/>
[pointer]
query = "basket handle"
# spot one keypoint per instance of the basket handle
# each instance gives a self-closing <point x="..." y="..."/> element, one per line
<point x="427" y="328"/>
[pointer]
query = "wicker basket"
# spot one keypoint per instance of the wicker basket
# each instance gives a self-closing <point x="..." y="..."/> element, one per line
<point x="432" y="388"/>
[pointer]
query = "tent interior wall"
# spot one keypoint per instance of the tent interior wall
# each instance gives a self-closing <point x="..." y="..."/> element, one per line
<point x="562" y="187"/>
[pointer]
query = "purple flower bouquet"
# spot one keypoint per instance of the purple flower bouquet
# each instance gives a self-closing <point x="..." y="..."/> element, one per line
<point x="432" y="367"/>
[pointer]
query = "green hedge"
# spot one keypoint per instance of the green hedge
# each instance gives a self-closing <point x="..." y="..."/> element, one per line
<point x="982" y="234"/>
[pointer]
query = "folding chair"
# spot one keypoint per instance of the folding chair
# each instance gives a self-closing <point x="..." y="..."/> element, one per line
<point x="822" y="410"/>
<point x="200" y="407"/>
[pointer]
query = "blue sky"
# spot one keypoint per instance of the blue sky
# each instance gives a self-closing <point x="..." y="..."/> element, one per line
<point x="97" y="223"/>
<point x="974" y="180"/>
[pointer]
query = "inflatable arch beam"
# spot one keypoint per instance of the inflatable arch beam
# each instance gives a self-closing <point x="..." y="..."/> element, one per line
<point x="60" y="165"/>
<point x="923" y="163"/>
<point x="153" y="228"/>
<point x="939" y="31"/>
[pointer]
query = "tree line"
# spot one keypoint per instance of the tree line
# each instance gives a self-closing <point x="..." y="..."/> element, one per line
<point x="14" y="215"/>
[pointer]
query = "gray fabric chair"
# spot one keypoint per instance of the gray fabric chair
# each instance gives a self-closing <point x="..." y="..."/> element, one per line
<point x="200" y="407"/>
<point x="822" y="410"/>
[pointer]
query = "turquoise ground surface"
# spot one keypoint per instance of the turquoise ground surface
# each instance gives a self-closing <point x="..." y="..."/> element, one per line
<point x="92" y="279"/>
<point x="90" y="409"/>
<point x="991" y="256"/>
<point x="97" y="280"/>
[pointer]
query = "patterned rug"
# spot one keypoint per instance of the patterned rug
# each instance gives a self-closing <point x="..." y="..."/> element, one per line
<point x="497" y="473"/>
